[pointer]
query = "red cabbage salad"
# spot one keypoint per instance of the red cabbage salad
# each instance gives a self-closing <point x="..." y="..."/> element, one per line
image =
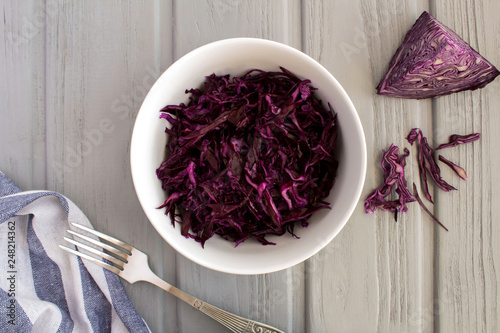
<point x="248" y="157"/>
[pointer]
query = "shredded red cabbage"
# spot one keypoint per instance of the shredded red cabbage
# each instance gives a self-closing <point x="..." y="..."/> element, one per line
<point x="248" y="156"/>
<point x="393" y="167"/>
<point x="394" y="179"/>
<point x="426" y="162"/>
<point x="425" y="208"/>
<point x="458" y="170"/>
<point x="434" y="61"/>
<point x="456" y="139"/>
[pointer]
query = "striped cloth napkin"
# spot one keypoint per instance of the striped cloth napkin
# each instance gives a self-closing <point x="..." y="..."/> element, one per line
<point x="46" y="289"/>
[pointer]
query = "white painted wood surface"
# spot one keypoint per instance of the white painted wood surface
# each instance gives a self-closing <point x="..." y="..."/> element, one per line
<point x="74" y="73"/>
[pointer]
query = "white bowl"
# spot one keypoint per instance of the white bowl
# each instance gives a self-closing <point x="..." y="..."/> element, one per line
<point x="236" y="56"/>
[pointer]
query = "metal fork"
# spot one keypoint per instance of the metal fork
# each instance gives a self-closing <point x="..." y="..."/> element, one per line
<point x="132" y="265"/>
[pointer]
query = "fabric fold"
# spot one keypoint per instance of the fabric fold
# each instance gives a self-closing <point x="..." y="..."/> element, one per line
<point x="51" y="290"/>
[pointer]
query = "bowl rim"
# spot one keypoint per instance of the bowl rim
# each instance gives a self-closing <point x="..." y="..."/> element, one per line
<point x="359" y="129"/>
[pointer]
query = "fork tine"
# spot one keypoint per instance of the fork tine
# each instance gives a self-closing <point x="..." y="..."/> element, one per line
<point x="120" y="254"/>
<point x="105" y="237"/>
<point x="104" y="255"/>
<point x="110" y="268"/>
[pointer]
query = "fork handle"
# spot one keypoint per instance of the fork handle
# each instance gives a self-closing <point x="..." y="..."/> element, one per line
<point x="233" y="322"/>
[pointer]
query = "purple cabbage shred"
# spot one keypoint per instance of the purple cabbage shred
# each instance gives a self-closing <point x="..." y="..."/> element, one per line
<point x="458" y="170"/>
<point x="425" y="208"/>
<point x="394" y="180"/>
<point x="426" y="162"/>
<point x="248" y="157"/>
<point x="456" y="139"/>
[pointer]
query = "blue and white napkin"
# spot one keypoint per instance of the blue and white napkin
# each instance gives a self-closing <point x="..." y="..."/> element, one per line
<point x="46" y="289"/>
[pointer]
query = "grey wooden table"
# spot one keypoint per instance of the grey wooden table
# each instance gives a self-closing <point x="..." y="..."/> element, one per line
<point x="74" y="73"/>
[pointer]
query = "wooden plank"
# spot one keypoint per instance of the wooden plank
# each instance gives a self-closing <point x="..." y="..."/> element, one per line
<point x="377" y="274"/>
<point x="22" y="72"/>
<point x="102" y="58"/>
<point x="201" y="22"/>
<point x="277" y="298"/>
<point x="467" y="290"/>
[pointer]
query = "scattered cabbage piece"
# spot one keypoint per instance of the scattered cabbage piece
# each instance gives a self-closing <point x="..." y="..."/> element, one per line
<point x="426" y="162"/>
<point x="248" y="156"/>
<point x="458" y="170"/>
<point x="417" y="196"/>
<point x="394" y="179"/>
<point x="434" y="61"/>
<point x="456" y="139"/>
<point x="393" y="167"/>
